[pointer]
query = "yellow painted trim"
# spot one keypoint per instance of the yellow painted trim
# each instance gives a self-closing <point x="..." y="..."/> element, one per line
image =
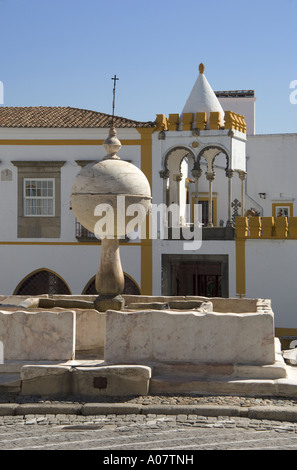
<point x="279" y="228"/>
<point x="255" y="227"/>
<point x="275" y="205"/>
<point x="286" y="331"/>
<point x="240" y="267"/>
<point x="147" y="248"/>
<point x="201" y="120"/>
<point x="187" y="121"/>
<point x="241" y="225"/>
<point x="36" y="271"/>
<point x="63" y="142"/>
<point x="214" y="120"/>
<point x="161" y="123"/>
<point x="173" y="122"/>
<point x="286" y="335"/>
<point x="292" y="234"/>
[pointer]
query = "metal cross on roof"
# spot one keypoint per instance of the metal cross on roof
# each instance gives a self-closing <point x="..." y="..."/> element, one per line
<point x="114" y="78"/>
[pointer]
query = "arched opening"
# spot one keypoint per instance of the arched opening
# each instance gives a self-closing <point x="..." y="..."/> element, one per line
<point x="177" y="180"/>
<point x="42" y="281"/>
<point x="130" y="286"/>
<point x="212" y="154"/>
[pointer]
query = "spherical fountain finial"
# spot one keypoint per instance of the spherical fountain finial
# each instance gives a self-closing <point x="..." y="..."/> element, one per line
<point x="112" y="145"/>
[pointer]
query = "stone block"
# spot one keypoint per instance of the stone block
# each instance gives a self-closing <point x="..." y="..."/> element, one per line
<point x="46" y="380"/>
<point x="90" y="331"/>
<point x="144" y="337"/>
<point x="45" y="335"/>
<point x="290" y="356"/>
<point x="111" y="380"/>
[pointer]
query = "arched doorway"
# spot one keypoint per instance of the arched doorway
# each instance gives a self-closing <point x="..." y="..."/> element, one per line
<point x="130" y="287"/>
<point x="42" y="281"/>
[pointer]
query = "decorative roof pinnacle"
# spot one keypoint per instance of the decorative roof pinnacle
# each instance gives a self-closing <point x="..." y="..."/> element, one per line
<point x="112" y="144"/>
<point x="201" y="68"/>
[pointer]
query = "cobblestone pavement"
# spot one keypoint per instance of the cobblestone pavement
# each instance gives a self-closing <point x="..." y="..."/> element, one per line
<point x="168" y="422"/>
<point x="167" y="399"/>
<point x="110" y="433"/>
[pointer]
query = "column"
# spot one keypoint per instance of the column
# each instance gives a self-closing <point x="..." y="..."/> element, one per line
<point x="164" y="174"/>
<point x="196" y="173"/>
<point x="229" y="174"/>
<point x="242" y="176"/>
<point x="178" y="179"/>
<point x="210" y="176"/>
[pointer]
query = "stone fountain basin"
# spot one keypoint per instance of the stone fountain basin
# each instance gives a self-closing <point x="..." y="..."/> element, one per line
<point x="190" y="337"/>
<point x="192" y="330"/>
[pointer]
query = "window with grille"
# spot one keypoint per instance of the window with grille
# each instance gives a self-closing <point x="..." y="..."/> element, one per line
<point x="130" y="287"/>
<point x="39" y="199"/>
<point x="42" y="282"/>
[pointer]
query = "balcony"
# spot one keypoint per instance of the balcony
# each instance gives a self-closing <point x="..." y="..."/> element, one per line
<point x="208" y="233"/>
<point x="84" y="235"/>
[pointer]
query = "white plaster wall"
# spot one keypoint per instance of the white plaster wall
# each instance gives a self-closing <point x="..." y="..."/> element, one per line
<point x="271" y="169"/>
<point x="76" y="264"/>
<point x="243" y="106"/>
<point x="271" y="272"/>
<point x="8" y="202"/>
<point x="238" y="154"/>
<point x="67" y="153"/>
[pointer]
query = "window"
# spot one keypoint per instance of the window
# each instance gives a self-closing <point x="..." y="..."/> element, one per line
<point x="39" y="198"/>
<point x="282" y="209"/>
<point x="41" y="282"/>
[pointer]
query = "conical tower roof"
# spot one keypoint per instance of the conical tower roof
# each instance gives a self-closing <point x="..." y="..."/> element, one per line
<point x="203" y="99"/>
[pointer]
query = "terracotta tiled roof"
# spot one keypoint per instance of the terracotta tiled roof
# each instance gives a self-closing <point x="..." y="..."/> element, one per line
<point x="62" y="117"/>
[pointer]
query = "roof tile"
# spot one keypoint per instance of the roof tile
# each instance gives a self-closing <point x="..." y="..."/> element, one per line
<point x="62" y="117"/>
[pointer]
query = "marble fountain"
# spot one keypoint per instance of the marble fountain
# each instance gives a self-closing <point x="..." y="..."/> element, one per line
<point x="118" y="345"/>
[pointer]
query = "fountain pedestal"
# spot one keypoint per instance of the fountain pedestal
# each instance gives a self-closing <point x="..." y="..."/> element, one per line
<point x="101" y="194"/>
<point x="109" y="278"/>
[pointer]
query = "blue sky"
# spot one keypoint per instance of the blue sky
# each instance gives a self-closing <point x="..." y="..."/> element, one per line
<point x="64" y="53"/>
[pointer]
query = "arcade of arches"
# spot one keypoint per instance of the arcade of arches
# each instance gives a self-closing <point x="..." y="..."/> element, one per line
<point x="182" y="169"/>
<point x="205" y="275"/>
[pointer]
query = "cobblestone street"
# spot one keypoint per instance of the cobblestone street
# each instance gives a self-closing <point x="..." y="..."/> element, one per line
<point x="178" y="433"/>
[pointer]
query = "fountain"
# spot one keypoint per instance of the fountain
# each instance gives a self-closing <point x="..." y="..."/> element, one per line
<point x="136" y="345"/>
<point x="110" y="186"/>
